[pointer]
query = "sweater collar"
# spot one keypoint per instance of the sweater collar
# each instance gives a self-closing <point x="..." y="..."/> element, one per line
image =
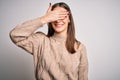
<point x="59" y="37"/>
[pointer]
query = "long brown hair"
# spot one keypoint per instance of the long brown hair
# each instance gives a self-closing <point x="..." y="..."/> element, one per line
<point x="70" y="41"/>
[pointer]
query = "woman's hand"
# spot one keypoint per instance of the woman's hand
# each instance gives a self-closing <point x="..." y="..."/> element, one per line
<point x="54" y="15"/>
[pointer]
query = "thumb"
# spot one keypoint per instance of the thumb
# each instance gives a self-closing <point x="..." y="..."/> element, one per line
<point x="50" y="7"/>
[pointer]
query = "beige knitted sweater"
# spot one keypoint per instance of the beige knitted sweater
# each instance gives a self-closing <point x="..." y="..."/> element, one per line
<point x="51" y="59"/>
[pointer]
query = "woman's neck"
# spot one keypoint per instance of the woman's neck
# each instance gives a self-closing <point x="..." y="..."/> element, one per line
<point x="60" y="36"/>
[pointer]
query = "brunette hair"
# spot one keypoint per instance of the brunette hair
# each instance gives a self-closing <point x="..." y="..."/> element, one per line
<point x="70" y="41"/>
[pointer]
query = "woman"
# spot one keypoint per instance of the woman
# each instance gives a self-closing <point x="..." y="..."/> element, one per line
<point x="57" y="55"/>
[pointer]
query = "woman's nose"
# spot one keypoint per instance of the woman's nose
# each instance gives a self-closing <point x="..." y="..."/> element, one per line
<point x="59" y="20"/>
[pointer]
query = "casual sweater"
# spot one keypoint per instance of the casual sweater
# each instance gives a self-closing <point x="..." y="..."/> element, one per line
<point x="52" y="61"/>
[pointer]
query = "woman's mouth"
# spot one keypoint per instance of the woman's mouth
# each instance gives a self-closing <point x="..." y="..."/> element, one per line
<point x="59" y="25"/>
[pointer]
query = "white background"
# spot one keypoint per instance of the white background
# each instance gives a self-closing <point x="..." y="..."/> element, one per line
<point x="97" y="27"/>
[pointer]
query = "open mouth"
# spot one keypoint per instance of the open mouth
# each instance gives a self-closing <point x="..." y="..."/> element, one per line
<point x="59" y="25"/>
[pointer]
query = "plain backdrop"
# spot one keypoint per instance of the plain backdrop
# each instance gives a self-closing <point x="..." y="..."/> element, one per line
<point x="97" y="27"/>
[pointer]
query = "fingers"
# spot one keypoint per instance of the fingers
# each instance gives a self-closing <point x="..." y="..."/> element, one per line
<point x="57" y="15"/>
<point x="53" y="15"/>
<point x="62" y="14"/>
<point x="59" y="12"/>
<point x="62" y="17"/>
<point x="50" y="7"/>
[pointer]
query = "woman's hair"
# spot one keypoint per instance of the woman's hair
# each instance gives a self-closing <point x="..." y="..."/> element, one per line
<point x="70" y="41"/>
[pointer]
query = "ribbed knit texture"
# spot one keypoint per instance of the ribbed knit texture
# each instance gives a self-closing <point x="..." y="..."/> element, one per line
<point x="52" y="61"/>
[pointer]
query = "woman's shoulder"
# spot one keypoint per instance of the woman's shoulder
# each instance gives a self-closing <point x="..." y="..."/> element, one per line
<point x="40" y="36"/>
<point x="80" y="46"/>
<point x="40" y="33"/>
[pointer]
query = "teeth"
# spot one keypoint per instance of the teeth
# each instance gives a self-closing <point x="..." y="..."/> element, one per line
<point x="59" y="24"/>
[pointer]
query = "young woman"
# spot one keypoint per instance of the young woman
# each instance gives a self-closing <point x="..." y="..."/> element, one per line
<point x="57" y="55"/>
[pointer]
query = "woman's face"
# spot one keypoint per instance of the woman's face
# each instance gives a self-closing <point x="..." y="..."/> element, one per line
<point x="61" y="25"/>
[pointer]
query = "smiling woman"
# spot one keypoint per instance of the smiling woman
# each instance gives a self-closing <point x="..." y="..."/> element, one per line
<point x="57" y="55"/>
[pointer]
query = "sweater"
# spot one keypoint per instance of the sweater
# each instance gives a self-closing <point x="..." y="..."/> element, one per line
<point x="52" y="61"/>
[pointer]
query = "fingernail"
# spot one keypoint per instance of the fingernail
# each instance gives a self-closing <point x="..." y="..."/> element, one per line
<point x="50" y="4"/>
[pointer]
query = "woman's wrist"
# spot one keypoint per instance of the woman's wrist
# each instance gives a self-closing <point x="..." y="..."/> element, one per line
<point x="43" y="20"/>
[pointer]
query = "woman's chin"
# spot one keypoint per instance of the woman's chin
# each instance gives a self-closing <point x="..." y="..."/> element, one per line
<point x="58" y="31"/>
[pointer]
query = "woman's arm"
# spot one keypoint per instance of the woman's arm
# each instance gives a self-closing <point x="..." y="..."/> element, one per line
<point x="23" y="35"/>
<point x="22" y="31"/>
<point x="83" y="67"/>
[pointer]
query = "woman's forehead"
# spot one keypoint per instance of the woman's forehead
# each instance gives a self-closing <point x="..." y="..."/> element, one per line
<point x="59" y="8"/>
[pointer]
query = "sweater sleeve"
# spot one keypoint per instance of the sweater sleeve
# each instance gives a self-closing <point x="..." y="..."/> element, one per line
<point x="23" y="35"/>
<point x="83" y="67"/>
